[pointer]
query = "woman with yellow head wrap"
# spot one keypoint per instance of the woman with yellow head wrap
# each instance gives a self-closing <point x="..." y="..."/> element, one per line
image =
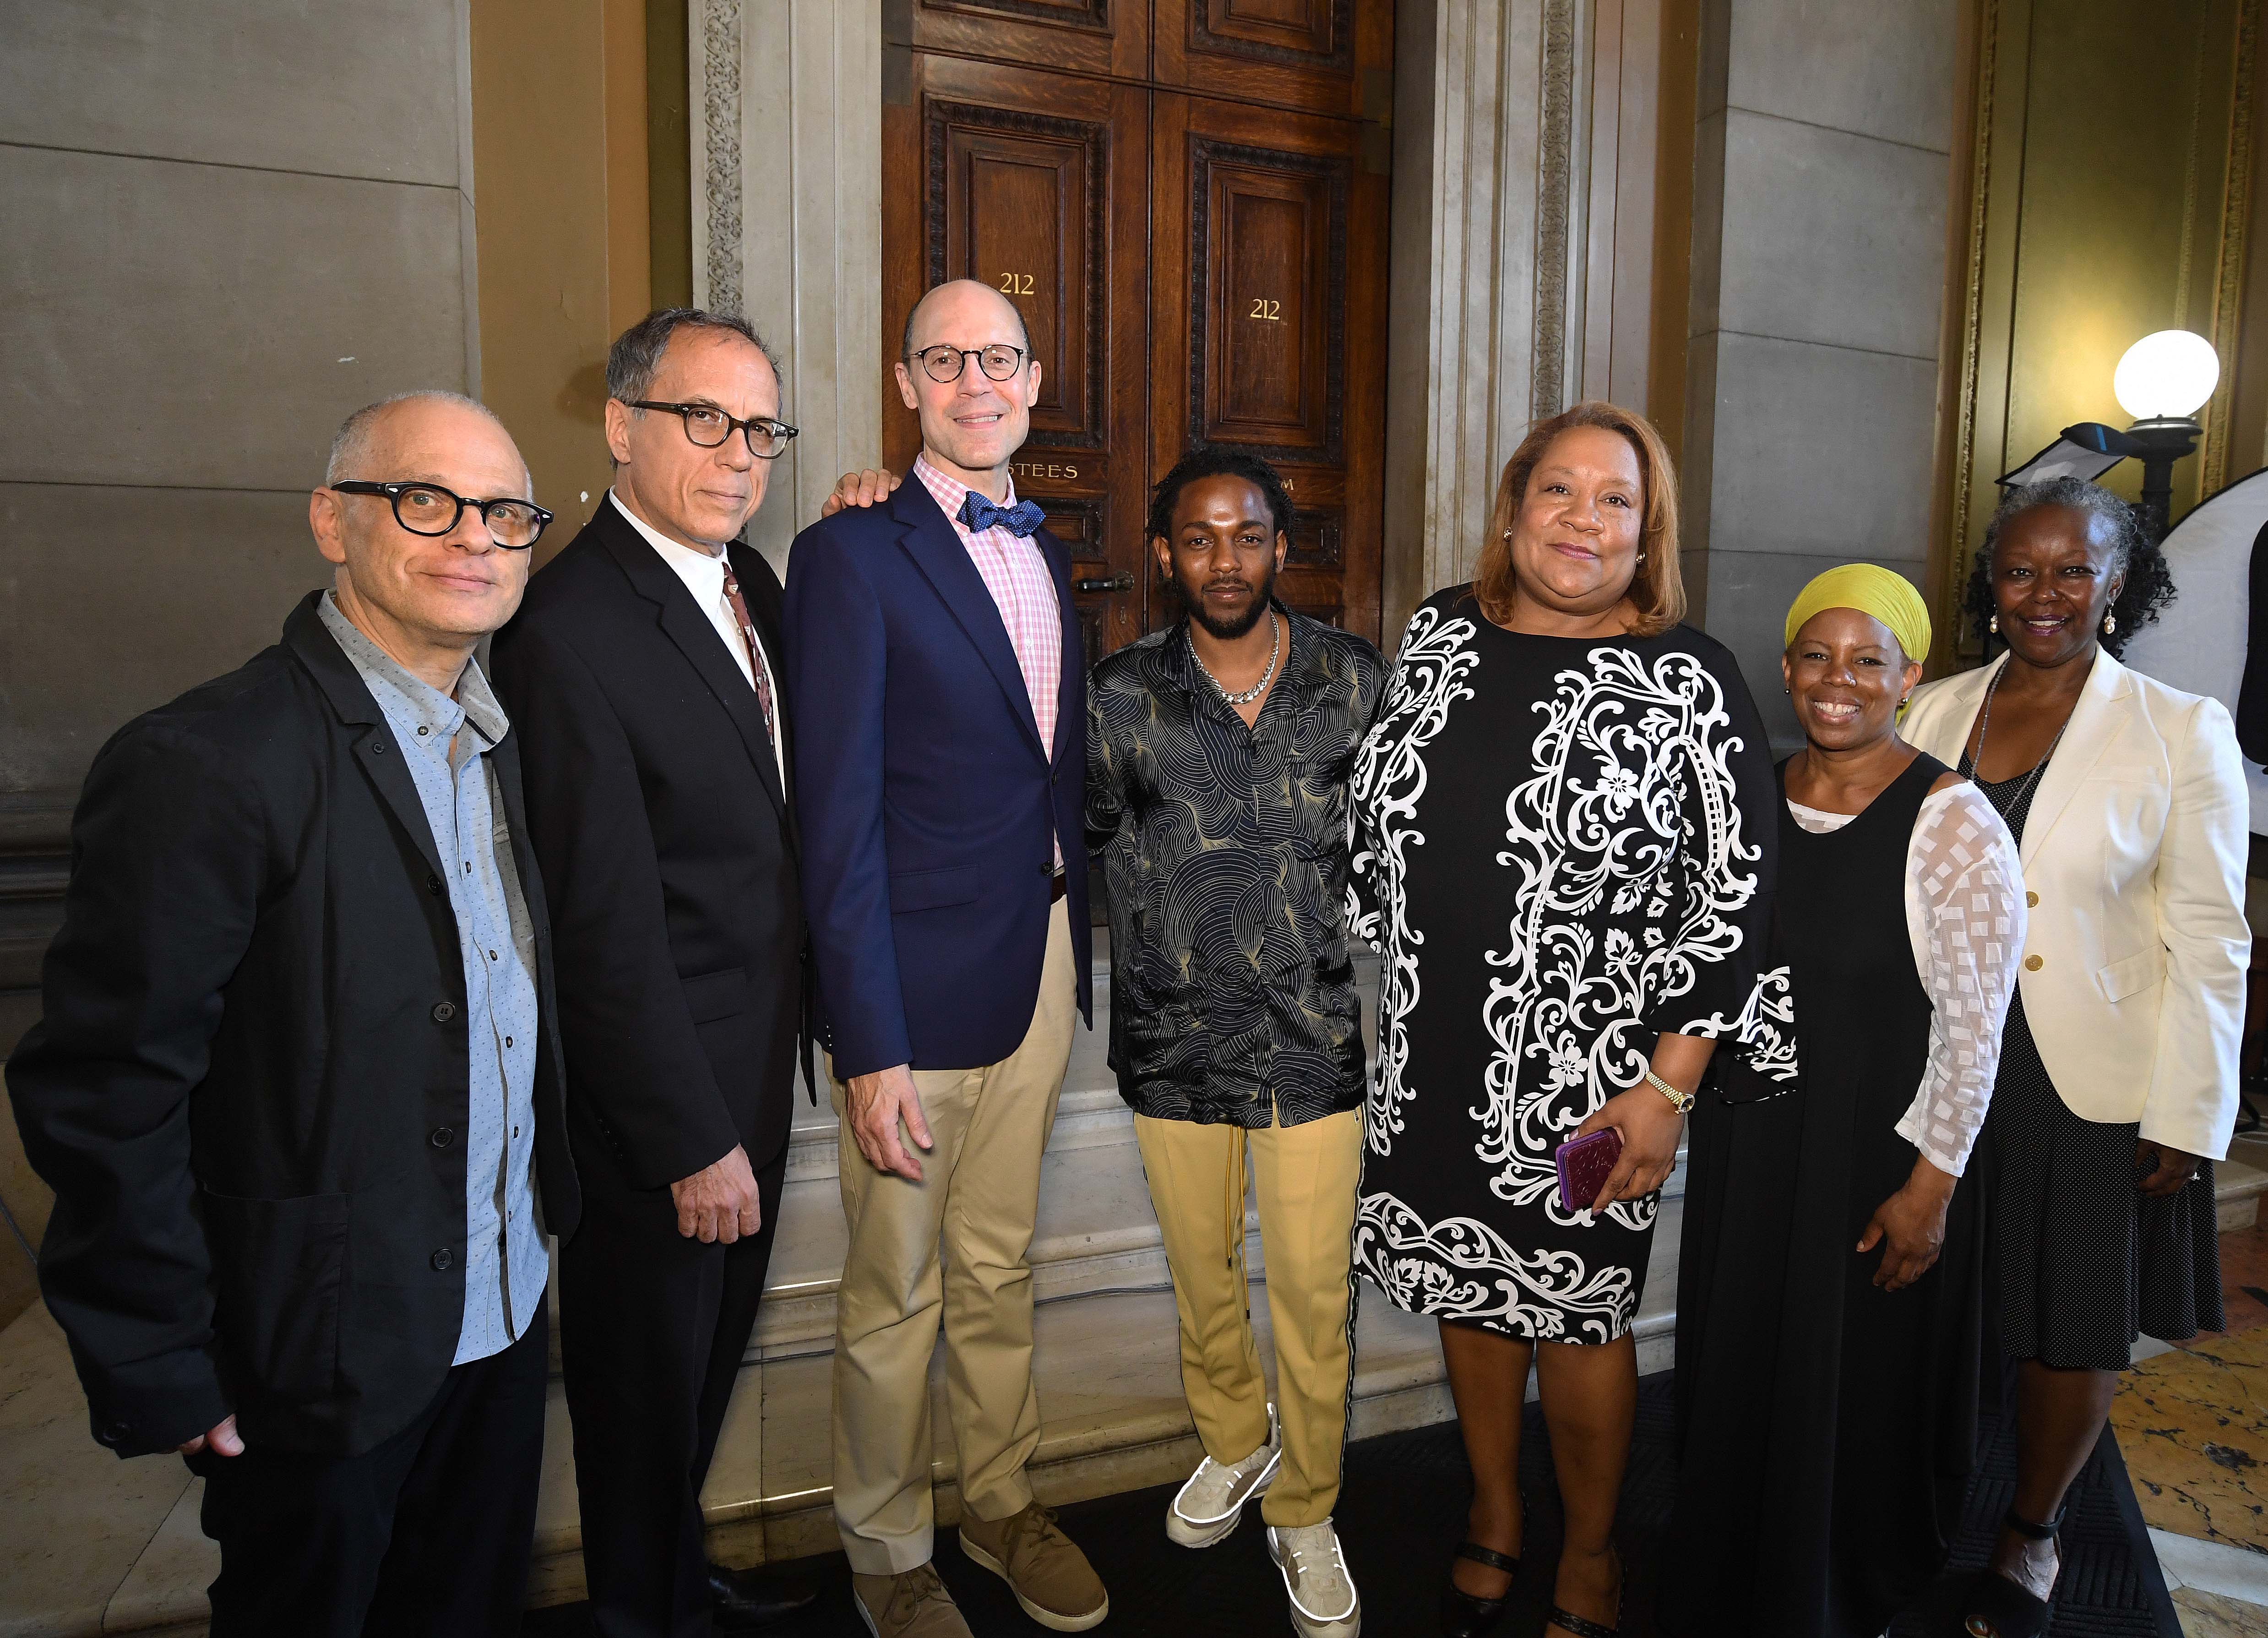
<point x="1829" y="1303"/>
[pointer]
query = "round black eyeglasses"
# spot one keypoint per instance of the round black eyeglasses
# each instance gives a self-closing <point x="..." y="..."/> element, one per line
<point x="943" y="363"/>
<point x="429" y="509"/>
<point x="709" y="427"/>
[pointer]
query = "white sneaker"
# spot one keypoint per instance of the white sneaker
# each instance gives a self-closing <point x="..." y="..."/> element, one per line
<point x="1324" y="1604"/>
<point x="1206" y="1509"/>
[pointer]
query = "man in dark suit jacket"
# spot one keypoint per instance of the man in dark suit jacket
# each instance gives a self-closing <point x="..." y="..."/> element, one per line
<point x="644" y="675"/>
<point x="938" y="694"/>
<point x="299" y="1059"/>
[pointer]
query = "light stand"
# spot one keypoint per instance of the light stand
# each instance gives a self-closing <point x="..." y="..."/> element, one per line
<point x="2165" y="439"/>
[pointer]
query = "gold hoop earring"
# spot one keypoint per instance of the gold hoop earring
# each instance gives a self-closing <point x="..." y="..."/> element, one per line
<point x="1993" y="626"/>
<point x="2110" y="623"/>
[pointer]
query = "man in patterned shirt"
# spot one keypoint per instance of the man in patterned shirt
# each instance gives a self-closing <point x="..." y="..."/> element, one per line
<point x="1218" y="755"/>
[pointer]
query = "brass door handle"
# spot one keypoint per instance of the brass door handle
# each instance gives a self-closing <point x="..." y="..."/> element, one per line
<point x="1115" y="583"/>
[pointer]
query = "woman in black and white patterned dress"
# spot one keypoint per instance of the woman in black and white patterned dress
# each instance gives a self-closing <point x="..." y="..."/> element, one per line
<point x="1564" y="820"/>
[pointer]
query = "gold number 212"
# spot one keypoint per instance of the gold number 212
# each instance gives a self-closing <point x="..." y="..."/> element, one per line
<point x="1263" y="309"/>
<point x="1016" y="284"/>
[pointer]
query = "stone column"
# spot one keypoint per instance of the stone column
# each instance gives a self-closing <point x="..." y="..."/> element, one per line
<point x="1491" y="281"/>
<point x="787" y="222"/>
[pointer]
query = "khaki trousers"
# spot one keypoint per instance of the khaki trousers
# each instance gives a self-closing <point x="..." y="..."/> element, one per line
<point x="1306" y="1178"/>
<point x="979" y="1194"/>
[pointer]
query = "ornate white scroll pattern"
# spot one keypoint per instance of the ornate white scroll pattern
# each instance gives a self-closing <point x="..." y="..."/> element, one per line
<point x="1625" y="842"/>
<point x="1388" y="781"/>
<point x="1464" y="1269"/>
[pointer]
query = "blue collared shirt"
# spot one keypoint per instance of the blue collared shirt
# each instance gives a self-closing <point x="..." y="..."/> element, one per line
<point x="444" y="744"/>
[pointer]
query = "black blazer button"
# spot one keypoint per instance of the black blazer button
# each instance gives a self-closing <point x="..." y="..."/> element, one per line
<point x="432" y="883"/>
<point x="378" y="746"/>
<point x="443" y="1012"/>
<point x="1049" y="868"/>
<point x="116" y="1433"/>
<point x="442" y="1260"/>
<point x="443" y="1136"/>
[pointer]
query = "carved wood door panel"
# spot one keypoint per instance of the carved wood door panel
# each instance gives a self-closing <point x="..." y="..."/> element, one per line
<point x="1267" y="235"/>
<point x="1110" y="37"/>
<point x="1192" y="267"/>
<point x="1037" y="185"/>
<point x="1324" y="56"/>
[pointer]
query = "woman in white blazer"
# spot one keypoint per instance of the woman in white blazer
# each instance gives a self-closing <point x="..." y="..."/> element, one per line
<point x="2117" y="1080"/>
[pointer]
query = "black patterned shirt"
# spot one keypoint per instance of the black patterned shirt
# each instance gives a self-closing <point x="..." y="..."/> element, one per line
<point x="1224" y="849"/>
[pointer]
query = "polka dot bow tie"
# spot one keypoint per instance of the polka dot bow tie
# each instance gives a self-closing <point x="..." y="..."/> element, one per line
<point x="978" y="514"/>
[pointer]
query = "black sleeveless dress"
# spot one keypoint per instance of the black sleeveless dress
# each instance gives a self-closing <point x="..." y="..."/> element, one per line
<point x="1827" y="1427"/>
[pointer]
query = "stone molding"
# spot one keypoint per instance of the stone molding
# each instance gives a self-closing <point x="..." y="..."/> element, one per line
<point x="787" y="224"/>
<point x="1511" y="180"/>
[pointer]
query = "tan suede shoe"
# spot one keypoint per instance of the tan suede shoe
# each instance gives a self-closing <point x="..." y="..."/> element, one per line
<point x="914" y="1605"/>
<point x="1042" y="1566"/>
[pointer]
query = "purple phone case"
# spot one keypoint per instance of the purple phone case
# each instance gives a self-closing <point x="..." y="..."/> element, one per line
<point x="1585" y="1164"/>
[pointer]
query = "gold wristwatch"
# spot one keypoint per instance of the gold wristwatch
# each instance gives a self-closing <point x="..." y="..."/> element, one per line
<point x="1682" y="1101"/>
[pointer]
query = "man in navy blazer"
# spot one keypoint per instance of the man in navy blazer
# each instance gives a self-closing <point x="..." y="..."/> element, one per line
<point x="937" y="695"/>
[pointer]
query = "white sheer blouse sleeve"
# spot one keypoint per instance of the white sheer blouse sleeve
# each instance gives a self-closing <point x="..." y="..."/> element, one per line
<point x="1965" y="913"/>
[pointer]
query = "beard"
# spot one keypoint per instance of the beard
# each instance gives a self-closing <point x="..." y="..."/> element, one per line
<point x="1229" y="629"/>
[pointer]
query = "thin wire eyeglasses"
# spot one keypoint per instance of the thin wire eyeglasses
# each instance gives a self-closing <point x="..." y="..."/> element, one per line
<point x="709" y="427"/>
<point x="945" y="364"/>
<point x="429" y="509"/>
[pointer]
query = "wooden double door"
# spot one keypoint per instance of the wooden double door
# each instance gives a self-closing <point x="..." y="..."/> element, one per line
<point x="1187" y="202"/>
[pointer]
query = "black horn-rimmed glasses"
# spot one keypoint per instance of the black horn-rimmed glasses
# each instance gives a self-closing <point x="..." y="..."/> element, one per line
<point x="430" y="509"/>
<point x="709" y="427"/>
<point x="943" y="364"/>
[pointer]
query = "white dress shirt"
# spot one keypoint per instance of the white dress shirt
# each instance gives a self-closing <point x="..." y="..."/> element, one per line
<point x="703" y="575"/>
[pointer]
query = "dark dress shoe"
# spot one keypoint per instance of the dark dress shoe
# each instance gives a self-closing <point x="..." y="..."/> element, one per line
<point x="1467" y="1615"/>
<point x="748" y="1601"/>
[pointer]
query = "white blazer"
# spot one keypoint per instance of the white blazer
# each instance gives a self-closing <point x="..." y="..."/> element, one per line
<point x="2134" y="858"/>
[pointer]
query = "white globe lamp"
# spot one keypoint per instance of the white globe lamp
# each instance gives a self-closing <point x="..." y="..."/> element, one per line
<point x="2162" y="381"/>
<point x="2166" y="376"/>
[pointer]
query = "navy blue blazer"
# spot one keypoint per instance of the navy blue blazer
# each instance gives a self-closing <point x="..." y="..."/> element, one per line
<point x="928" y="808"/>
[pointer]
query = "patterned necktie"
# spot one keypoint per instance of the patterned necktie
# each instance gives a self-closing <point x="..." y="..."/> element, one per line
<point x="755" y="653"/>
<point x="978" y="514"/>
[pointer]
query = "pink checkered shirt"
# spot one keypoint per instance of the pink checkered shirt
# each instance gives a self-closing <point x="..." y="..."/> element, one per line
<point x="1016" y="573"/>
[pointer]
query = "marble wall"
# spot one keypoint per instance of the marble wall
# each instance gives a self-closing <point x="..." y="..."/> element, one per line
<point x="229" y="224"/>
<point x="1821" y="187"/>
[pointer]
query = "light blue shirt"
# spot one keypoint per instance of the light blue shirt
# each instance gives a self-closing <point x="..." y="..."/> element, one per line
<point x="444" y="744"/>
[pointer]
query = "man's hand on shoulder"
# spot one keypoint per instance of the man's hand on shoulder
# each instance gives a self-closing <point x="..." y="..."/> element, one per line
<point x="860" y="488"/>
<point x="719" y="1202"/>
<point x="877" y="1103"/>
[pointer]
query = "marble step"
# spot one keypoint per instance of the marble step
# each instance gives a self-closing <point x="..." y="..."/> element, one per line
<point x="1097" y="1231"/>
<point x="1113" y="1417"/>
<point x="114" y="1547"/>
<point x="2238" y="1184"/>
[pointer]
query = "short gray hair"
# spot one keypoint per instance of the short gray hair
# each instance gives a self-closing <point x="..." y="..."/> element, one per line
<point x="357" y="434"/>
<point x="2124" y="529"/>
<point x="636" y="352"/>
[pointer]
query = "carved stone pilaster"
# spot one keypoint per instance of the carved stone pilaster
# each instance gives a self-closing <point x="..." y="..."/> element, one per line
<point x="787" y="221"/>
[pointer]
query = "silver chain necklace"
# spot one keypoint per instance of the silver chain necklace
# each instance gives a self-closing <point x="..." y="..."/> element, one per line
<point x="1275" y="652"/>
<point x="1985" y="726"/>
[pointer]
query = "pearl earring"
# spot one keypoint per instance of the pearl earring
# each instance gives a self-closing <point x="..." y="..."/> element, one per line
<point x="2110" y="623"/>
<point x="1995" y="625"/>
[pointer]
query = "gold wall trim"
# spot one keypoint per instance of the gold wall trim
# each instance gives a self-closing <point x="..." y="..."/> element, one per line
<point x="2229" y="282"/>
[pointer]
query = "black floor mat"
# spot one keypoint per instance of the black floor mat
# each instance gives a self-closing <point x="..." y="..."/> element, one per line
<point x="1402" y="1507"/>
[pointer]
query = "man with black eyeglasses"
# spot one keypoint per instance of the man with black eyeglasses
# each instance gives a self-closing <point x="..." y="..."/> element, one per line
<point x="644" y="677"/>
<point x="298" y="1088"/>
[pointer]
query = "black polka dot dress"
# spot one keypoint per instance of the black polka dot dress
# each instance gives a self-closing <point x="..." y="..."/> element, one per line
<point x="2079" y="1263"/>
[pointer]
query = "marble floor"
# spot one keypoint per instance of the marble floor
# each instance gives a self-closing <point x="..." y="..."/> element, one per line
<point x="2192" y="1424"/>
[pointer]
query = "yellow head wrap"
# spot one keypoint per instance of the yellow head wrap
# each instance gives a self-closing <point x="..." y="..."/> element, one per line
<point x="1871" y="589"/>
